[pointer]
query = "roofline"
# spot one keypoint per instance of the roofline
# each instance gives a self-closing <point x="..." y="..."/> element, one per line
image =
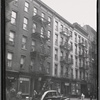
<point x="74" y="24"/>
<point x="54" y="12"/>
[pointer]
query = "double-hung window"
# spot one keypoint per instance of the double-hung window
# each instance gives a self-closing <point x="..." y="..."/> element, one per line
<point x="42" y="32"/>
<point x="34" y="28"/>
<point x="35" y="11"/>
<point x="24" y="40"/>
<point x="33" y="45"/>
<point x="25" y="23"/>
<point x="49" y="20"/>
<point x="13" y="17"/>
<point x="26" y="7"/>
<point x="9" y="59"/>
<point x="49" y="34"/>
<point x="42" y="15"/>
<point x="22" y="61"/>
<point x="11" y="36"/>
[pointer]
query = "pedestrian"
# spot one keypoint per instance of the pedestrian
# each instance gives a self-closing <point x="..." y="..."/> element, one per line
<point x="34" y="95"/>
<point x="82" y="96"/>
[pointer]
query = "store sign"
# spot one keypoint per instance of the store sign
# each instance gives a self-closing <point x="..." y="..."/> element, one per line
<point x="24" y="79"/>
<point x="67" y="84"/>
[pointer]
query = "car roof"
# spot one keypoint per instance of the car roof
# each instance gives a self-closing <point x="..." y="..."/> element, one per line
<point x="46" y="93"/>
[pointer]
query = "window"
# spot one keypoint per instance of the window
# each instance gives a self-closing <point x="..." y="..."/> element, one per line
<point x="61" y="28"/>
<point x="62" y="40"/>
<point x="56" y="69"/>
<point x="49" y="20"/>
<point x="49" y="34"/>
<point x="13" y="17"/>
<point x="56" y="39"/>
<point x="66" y="30"/>
<point x="31" y="63"/>
<point x="25" y="23"/>
<point x="42" y="32"/>
<point x="56" y="25"/>
<point x="42" y="15"/>
<point x="66" y="72"/>
<point x="72" y="73"/>
<point x="85" y="43"/>
<point x="24" y="85"/>
<point x="75" y="49"/>
<point x="80" y="75"/>
<point x="79" y="39"/>
<point x="75" y="37"/>
<point x="56" y="54"/>
<point x="34" y="28"/>
<point x="22" y="61"/>
<point x="76" y="74"/>
<point x="26" y="7"/>
<point x="71" y="45"/>
<point x="24" y="38"/>
<point x="9" y="59"/>
<point x="70" y="32"/>
<point x="16" y="2"/>
<point x="76" y="61"/>
<point x="61" y="53"/>
<point x="79" y="62"/>
<point x="62" y="70"/>
<point x="35" y="11"/>
<point x="33" y="45"/>
<point x="48" y="67"/>
<point x="11" y="36"/>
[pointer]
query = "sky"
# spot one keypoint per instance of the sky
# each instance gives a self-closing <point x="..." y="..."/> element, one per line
<point x="84" y="12"/>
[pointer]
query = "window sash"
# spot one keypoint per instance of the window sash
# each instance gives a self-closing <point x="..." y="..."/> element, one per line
<point x="9" y="56"/>
<point x="13" y="15"/>
<point x="13" y="20"/>
<point x="9" y="63"/>
<point x="35" y="11"/>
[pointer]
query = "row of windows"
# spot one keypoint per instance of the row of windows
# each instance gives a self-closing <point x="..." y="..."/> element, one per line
<point x="66" y="72"/>
<point x="81" y="40"/>
<point x="25" y="21"/>
<point x="22" y="61"/>
<point x="11" y="38"/>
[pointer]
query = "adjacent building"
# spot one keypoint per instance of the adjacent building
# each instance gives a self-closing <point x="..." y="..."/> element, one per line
<point x="44" y="50"/>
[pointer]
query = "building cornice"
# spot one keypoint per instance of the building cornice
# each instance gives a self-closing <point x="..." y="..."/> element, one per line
<point x="54" y="13"/>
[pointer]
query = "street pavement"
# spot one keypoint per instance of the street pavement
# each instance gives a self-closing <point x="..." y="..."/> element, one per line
<point x="81" y="99"/>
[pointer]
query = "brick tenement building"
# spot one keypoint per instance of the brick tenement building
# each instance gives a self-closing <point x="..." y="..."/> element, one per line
<point x="41" y="46"/>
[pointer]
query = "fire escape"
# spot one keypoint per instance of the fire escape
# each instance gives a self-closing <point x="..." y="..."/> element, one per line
<point x="83" y="56"/>
<point x="67" y="48"/>
<point x="41" y="52"/>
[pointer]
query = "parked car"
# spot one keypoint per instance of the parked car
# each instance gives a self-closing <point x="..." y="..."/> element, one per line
<point x="52" y="95"/>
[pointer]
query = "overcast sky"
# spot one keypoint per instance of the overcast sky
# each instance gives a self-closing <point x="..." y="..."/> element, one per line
<point x="80" y="11"/>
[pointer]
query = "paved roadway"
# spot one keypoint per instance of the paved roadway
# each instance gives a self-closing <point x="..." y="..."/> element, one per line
<point x="81" y="99"/>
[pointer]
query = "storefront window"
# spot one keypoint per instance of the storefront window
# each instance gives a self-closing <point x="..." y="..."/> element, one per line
<point x="24" y="84"/>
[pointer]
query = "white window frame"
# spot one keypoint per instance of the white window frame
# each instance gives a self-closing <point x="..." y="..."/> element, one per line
<point x="33" y="45"/>
<point x="56" y="25"/>
<point x="24" y="41"/>
<point x="35" y="11"/>
<point x="9" y="59"/>
<point x="25" y="23"/>
<point x="26" y="8"/>
<point x="42" y="15"/>
<point x="11" y="36"/>
<point x="49" y="34"/>
<point x="49" y="20"/>
<point x="34" y="28"/>
<point x="13" y="17"/>
<point x="42" y="32"/>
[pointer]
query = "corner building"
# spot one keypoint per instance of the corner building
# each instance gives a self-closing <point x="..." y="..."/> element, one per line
<point x="41" y="50"/>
